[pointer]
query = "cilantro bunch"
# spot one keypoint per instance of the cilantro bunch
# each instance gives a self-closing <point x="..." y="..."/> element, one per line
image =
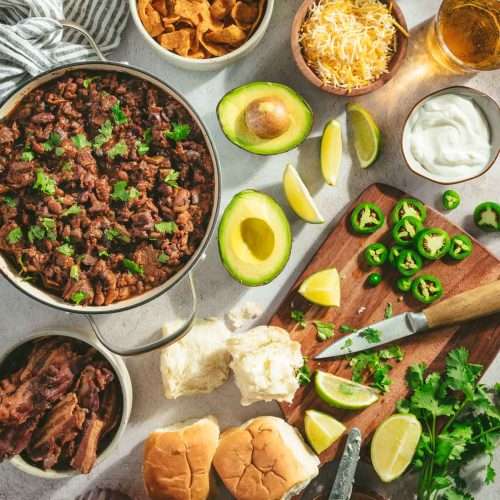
<point x="460" y="421"/>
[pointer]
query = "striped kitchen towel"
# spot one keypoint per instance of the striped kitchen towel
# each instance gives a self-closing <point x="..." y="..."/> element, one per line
<point x="32" y="39"/>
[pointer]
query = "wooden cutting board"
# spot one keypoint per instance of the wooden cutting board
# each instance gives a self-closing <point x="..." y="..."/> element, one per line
<point x="362" y="306"/>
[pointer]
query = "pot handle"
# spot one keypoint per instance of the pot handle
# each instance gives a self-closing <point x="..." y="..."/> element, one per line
<point x="163" y="342"/>
<point x="87" y="35"/>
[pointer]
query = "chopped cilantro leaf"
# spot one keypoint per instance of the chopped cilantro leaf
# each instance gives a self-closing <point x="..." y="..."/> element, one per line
<point x="119" y="116"/>
<point x="133" y="266"/>
<point x="67" y="166"/>
<point x="36" y="233"/>
<point x="14" y="236"/>
<point x="79" y="297"/>
<point x="324" y="329"/>
<point x="298" y="316"/>
<point x="163" y="258"/>
<point x="388" y="311"/>
<point x="105" y="134"/>
<point x="143" y="146"/>
<point x="304" y="374"/>
<point x="54" y="140"/>
<point x="346" y="329"/>
<point x="103" y="253"/>
<point x="73" y="210"/>
<point x="371" y="335"/>
<point x="121" y="192"/>
<point x="347" y="343"/>
<point x="119" y="149"/>
<point x="66" y="249"/>
<point x="44" y="183"/>
<point x="171" y="179"/>
<point x="179" y="132"/>
<point x="88" y="81"/>
<point x="27" y="155"/>
<point x="50" y="227"/>
<point x="166" y="227"/>
<point x="80" y="141"/>
<point x="59" y="151"/>
<point x="10" y="201"/>
<point x="74" y="272"/>
<point x="111" y="233"/>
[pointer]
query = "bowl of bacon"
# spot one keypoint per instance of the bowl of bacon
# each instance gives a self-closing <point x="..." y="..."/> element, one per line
<point x="64" y="404"/>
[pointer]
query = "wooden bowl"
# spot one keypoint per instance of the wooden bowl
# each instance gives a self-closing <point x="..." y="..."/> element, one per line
<point x="394" y="64"/>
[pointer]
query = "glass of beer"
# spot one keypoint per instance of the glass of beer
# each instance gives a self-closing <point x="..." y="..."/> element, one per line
<point x="465" y="35"/>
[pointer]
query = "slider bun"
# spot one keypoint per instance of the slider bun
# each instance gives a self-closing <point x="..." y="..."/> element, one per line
<point x="264" y="459"/>
<point x="177" y="460"/>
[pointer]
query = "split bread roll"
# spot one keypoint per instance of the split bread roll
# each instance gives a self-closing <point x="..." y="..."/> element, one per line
<point x="178" y="458"/>
<point x="264" y="459"/>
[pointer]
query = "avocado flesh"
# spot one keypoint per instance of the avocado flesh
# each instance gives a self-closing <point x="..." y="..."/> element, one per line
<point x="231" y="115"/>
<point x="255" y="238"/>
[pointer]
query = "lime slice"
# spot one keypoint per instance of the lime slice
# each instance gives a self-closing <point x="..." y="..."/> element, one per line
<point x="343" y="393"/>
<point x="299" y="198"/>
<point x="394" y="444"/>
<point x="331" y="152"/>
<point x="322" y="288"/>
<point x="322" y="430"/>
<point x="367" y="137"/>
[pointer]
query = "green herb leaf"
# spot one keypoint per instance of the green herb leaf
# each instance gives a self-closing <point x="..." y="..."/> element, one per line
<point x="44" y="183"/>
<point x="81" y="141"/>
<point x="67" y="166"/>
<point x="163" y="258"/>
<point x="179" y="132"/>
<point x="59" y="151"/>
<point x="103" y="253"/>
<point x="36" y="233"/>
<point x="14" y="236"/>
<point x="133" y="266"/>
<point x="73" y="210"/>
<point x="119" y="116"/>
<point x="74" y="272"/>
<point x="119" y="149"/>
<point x="371" y="335"/>
<point x="105" y="134"/>
<point x="166" y="227"/>
<point x="388" y="312"/>
<point x="324" y="329"/>
<point x="347" y="343"/>
<point x="54" y="140"/>
<point x="88" y="81"/>
<point x="171" y="179"/>
<point x="304" y="374"/>
<point x="111" y="233"/>
<point x="27" y="155"/>
<point x="143" y="146"/>
<point x="299" y="317"/>
<point x="122" y="193"/>
<point x="346" y="329"/>
<point x="10" y="201"/>
<point x="66" y="249"/>
<point x="79" y="297"/>
<point x="50" y="227"/>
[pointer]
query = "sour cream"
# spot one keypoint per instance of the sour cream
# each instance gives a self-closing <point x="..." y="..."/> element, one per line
<point x="449" y="136"/>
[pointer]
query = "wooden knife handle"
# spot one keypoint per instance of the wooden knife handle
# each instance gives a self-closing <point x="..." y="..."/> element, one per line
<point x="472" y="304"/>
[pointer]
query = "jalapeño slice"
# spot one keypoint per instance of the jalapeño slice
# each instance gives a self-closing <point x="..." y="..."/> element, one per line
<point x="487" y="216"/>
<point x="426" y="288"/>
<point x="433" y="243"/>
<point x="405" y="230"/>
<point x="408" y="207"/>
<point x="394" y="252"/>
<point x="451" y="199"/>
<point x="375" y="254"/>
<point x="404" y="283"/>
<point x="460" y="247"/>
<point x="409" y="262"/>
<point x="367" y="218"/>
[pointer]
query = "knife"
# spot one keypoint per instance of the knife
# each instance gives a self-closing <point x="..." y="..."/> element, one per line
<point x="472" y="304"/>
<point x="342" y="486"/>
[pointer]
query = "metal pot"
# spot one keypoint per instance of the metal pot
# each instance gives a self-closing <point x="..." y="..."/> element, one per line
<point x="6" y="268"/>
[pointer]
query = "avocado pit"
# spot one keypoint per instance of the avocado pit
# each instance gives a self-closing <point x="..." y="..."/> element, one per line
<point x="267" y="117"/>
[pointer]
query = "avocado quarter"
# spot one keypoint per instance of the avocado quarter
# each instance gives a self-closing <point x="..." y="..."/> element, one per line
<point x="231" y="115"/>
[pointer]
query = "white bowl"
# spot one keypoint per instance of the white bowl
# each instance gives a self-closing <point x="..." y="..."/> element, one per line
<point x="491" y="111"/>
<point x="123" y="378"/>
<point x="214" y="63"/>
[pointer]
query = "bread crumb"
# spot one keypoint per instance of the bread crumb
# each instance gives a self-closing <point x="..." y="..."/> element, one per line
<point x="241" y="314"/>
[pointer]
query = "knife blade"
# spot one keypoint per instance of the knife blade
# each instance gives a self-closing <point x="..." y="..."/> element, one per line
<point x="342" y="486"/>
<point x="389" y="330"/>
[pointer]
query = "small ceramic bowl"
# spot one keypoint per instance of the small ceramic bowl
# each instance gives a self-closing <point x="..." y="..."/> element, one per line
<point x="214" y="63"/>
<point x="491" y="111"/>
<point x="394" y="64"/>
<point x="123" y="378"/>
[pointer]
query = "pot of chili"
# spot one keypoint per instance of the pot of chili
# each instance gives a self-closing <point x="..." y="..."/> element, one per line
<point x="109" y="190"/>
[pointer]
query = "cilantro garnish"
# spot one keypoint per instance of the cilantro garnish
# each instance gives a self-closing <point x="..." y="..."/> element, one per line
<point x="388" y="311"/>
<point x="346" y="344"/>
<point x="103" y="253"/>
<point x="66" y="249"/>
<point x="59" y="151"/>
<point x="119" y="116"/>
<point x="14" y="236"/>
<point x="105" y="134"/>
<point x="73" y="210"/>
<point x="119" y="149"/>
<point x="50" y="227"/>
<point x="179" y="132"/>
<point x="44" y="183"/>
<point x="80" y="141"/>
<point x="111" y="233"/>
<point x="171" y="179"/>
<point x="298" y="317"/>
<point x="10" y="201"/>
<point x="121" y="192"/>
<point x="346" y="329"/>
<point x="36" y="233"/>
<point x="163" y="258"/>
<point x="166" y="227"/>
<point x="67" y="166"/>
<point x="88" y="81"/>
<point x="304" y="374"/>
<point x="54" y="141"/>
<point x="143" y="146"/>
<point x="324" y="329"/>
<point x="460" y="423"/>
<point x="133" y="266"/>
<point x="27" y="155"/>
<point x="371" y="335"/>
<point x="74" y="272"/>
<point x="79" y="297"/>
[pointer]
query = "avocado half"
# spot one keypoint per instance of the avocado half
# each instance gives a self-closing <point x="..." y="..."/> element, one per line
<point x="231" y="114"/>
<point x="255" y="239"/>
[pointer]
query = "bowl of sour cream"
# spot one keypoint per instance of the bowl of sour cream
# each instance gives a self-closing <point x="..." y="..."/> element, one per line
<point x="452" y="135"/>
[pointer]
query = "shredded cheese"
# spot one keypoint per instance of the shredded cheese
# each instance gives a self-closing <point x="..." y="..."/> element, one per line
<point x="348" y="43"/>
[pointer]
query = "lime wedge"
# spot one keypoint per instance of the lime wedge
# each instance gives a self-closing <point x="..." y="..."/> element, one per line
<point x="299" y="198"/>
<point x="322" y="288"/>
<point x="394" y="444"/>
<point x="343" y="393"/>
<point x="331" y="152"/>
<point x="322" y="430"/>
<point x="366" y="134"/>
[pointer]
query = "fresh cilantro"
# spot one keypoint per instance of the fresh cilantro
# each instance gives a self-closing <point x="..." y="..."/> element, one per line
<point x="14" y="236"/>
<point x="74" y="272"/>
<point x="143" y="146"/>
<point x="44" y="183"/>
<point x="133" y="266"/>
<point x="79" y="297"/>
<point x="298" y="317"/>
<point x="27" y="155"/>
<point x="111" y="233"/>
<point x="67" y="166"/>
<point x="54" y="141"/>
<point x="304" y="374"/>
<point x="179" y="132"/>
<point x="10" y="201"/>
<point x="88" y="81"/>
<point x="73" y="210"/>
<point x="166" y="227"/>
<point x="66" y="249"/>
<point x="171" y="179"/>
<point x="392" y="352"/>
<point x="388" y="311"/>
<point x="163" y="258"/>
<point x="119" y="149"/>
<point x="36" y="233"/>
<point x="49" y="226"/>
<point x="103" y="253"/>
<point x="119" y="116"/>
<point x="59" y="151"/>
<point x="121" y="192"/>
<point x="81" y="141"/>
<point x="324" y="330"/>
<point x="346" y="329"/>
<point x="371" y="335"/>
<point x="105" y="134"/>
<point x="460" y="422"/>
<point x="347" y="343"/>
<point x="133" y="193"/>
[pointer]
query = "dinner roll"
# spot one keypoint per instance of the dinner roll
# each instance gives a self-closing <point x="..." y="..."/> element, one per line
<point x="264" y="459"/>
<point x="178" y="458"/>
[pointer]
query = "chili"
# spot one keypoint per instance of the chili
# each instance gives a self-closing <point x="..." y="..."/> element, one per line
<point x="433" y="243"/>
<point x="374" y="279"/>
<point x="394" y="252"/>
<point x="405" y="230"/>
<point x="409" y="262"/>
<point x="487" y="216"/>
<point x="404" y="283"/>
<point x="408" y="207"/>
<point x="366" y="218"/>
<point x="426" y="288"/>
<point x="460" y="247"/>
<point x="376" y="254"/>
<point x="451" y="199"/>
